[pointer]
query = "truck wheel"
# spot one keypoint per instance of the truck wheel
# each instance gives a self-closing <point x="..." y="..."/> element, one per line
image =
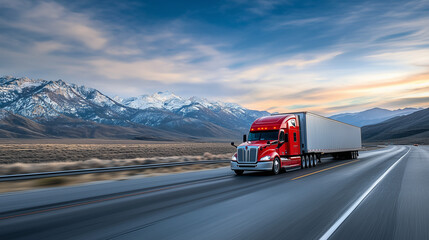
<point x="302" y="162"/>
<point x="307" y="161"/>
<point x="276" y="166"/>
<point x="314" y="160"/>
<point x="239" y="172"/>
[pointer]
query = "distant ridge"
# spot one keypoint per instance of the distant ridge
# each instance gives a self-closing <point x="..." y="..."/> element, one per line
<point x="16" y="126"/>
<point x="372" y="116"/>
<point x="409" y="129"/>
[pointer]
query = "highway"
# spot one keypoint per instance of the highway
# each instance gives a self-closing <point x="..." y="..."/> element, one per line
<point x="384" y="194"/>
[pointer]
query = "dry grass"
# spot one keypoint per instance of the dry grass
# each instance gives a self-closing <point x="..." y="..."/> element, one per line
<point x="42" y="153"/>
<point x="17" y="168"/>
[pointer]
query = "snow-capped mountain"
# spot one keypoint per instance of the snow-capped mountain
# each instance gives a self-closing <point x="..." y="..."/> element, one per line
<point x="170" y="101"/>
<point x="44" y="101"/>
<point x="41" y="99"/>
<point x="229" y="115"/>
<point x="160" y="100"/>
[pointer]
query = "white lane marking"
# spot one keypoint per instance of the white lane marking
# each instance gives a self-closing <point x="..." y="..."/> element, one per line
<point x="334" y="227"/>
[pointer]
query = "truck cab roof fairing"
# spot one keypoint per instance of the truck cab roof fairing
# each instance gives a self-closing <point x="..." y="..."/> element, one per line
<point x="271" y="122"/>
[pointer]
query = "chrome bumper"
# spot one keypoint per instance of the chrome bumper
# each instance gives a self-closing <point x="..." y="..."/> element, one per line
<point x="259" y="166"/>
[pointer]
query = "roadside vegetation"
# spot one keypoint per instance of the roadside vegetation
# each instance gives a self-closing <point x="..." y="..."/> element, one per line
<point x="12" y="153"/>
<point x="17" y="168"/>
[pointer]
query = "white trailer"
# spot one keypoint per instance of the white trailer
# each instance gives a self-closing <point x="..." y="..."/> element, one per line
<point x="322" y="134"/>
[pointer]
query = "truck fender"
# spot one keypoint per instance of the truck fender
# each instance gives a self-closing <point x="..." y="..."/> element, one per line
<point x="274" y="155"/>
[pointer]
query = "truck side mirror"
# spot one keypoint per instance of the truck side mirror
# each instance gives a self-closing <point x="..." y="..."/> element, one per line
<point x="282" y="137"/>
<point x="244" y="138"/>
<point x="232" y="144"/>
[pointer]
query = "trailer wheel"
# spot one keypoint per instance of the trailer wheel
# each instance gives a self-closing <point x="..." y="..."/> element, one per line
<point x="314" y="160"/>
<point x="276" y="166"/>
<point x="304" y="161"/>
<point x="239" y="172"/>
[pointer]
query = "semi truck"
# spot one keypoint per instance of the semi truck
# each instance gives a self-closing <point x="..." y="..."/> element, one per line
<point x="294" y="140"/>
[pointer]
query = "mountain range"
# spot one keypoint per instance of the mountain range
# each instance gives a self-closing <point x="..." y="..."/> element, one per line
<point x="372" y="116"/>
<point x="37" y="108"/>
<point x="412" y="128"/>
<point x="41" y="108"/>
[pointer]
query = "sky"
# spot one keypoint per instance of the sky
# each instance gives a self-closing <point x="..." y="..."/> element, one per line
<point x="275" y="55"/>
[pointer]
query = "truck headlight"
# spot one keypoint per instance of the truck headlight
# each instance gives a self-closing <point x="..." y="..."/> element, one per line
<point x="266" y="158"/>
<point x="234" y="158"/>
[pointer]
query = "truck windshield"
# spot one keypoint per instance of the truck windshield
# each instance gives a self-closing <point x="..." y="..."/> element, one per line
<point x="264" y="135"/>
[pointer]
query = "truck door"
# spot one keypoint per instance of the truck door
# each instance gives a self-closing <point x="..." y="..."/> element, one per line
<point x="294" y="141"/>
<point x="283" y="147"/>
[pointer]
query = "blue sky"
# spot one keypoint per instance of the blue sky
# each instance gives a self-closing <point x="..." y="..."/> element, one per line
<point x="322" y="56"/>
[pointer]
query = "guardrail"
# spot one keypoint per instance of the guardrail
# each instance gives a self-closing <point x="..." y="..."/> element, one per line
<point x="29" y="176"/>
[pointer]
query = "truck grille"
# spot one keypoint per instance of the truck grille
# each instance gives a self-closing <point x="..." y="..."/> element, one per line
<point x="247" y="156"/>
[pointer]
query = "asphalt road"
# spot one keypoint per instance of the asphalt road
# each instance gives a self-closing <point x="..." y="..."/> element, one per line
<point x="382" y="195"/>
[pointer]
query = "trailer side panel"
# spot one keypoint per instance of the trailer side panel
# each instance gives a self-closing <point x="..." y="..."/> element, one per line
<point x="327" y="135"/>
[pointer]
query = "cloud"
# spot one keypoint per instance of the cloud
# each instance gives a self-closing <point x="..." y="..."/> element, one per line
<point x="122" y="51"/>
<point x="259" y="7"/>
<point x="343" y="107"/>
<point x="395" y="36"/>
<point x="300" y="106"/>
<point x="324" y="61"/>
<point x="301" y="62"/>
<point x="282" y="23"/>
<point x="278" y="69"/>
<point x="49" y="46"/>
<point x="417" y="57"/>
<point x="406" y="102"/>
<point x="52" y="20"/>
<point x="160" y="70"/>
<point x="413" y="80"/>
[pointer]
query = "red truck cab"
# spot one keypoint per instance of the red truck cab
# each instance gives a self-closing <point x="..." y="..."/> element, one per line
<point x="273" y="143"/>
